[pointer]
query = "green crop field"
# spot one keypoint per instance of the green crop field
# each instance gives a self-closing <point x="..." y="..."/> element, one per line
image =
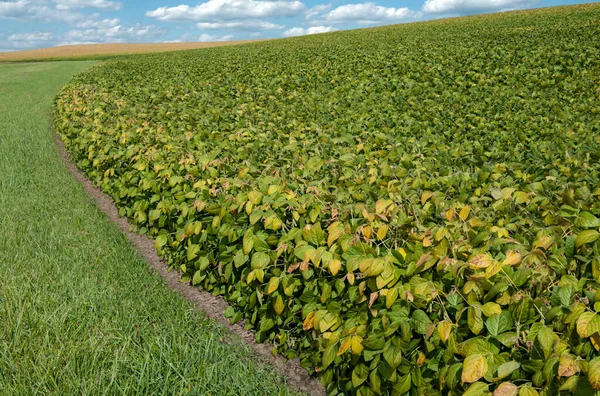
<point x="80" y="314"/>
<point x="407" y="209"/>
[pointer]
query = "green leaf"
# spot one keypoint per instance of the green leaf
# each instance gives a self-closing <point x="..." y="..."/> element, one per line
<point x="547" y="339"/>
<point x="203" y="263"/>
<point x="359" y="374"/>
<point x="420" y="321"/>
<point x="477" y="389"/>
<point x="192" y="252"/>
<point x="248" y="242"/>
<point x="587" y="220"/>
<point x="527" y="390"/>
<point x="474" y="319"/>
<point x="160" y="241"/>
<point x="375" y="381"/>
<point x="402" y="386"/>
<point x="197" y="278"/>
<point x="506" y="369"/>
<point x="329" y="356"/>
<point x="260" y="260"/>
<point x="498" y="324"/>
<point x="392" y="354"/>
<point x="587" y="236"/>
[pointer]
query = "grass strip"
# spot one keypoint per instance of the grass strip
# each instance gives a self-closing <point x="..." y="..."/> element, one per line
<point x="79" y="312"/>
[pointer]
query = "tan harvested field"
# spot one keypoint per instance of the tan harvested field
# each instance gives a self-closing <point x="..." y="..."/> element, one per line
<point x="98" y="50"/>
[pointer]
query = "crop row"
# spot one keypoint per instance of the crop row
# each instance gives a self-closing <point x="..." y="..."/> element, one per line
<point x="412" y="208"/>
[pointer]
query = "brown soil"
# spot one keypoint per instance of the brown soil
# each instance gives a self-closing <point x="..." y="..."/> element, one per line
<point x="74" y="51"/>
<point x="212" y="306"/>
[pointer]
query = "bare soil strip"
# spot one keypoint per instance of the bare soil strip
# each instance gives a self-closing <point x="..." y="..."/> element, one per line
<point x="213" y="306"/>
<point x="74" y="51"/>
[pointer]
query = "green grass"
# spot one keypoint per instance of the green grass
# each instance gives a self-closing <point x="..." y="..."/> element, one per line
<point x="79" y="312"/>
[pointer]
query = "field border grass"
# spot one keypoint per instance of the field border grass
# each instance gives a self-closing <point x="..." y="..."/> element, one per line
<point x="212" y="306"/>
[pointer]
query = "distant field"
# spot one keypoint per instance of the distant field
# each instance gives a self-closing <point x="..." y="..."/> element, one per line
<point x="98" y="50"/>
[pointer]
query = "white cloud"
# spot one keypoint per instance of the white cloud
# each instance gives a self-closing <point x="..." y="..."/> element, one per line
<point x="35" y="36"/>
<point x="457" y="6"/>
<point x="29" y="10"/>
<point x="369" y="13"/>
<point x="112" y="34"/>
<point x="241" y="25"/>
<point x="298" y="31"/>
<point x="92" y="24"/>
<point x="224" y="10"/>
<point x="318" y="9"/>
<point x="20" y="41"/>
<point x="208" y="38"/>
<point x="100" y="4"/>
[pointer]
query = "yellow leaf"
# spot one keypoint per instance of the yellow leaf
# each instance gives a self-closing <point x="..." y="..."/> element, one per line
<point x="493" y="269"/>
<point x="402" y="252"/>
<point x="584" y="324"/>
<point x="474" y="368"/>
<point x="309" y="322"/>
<point x="450" y="214"/>
<point x="273" y="285"/>
<point x="382" y="205"/>
<point x="334" y="266"/>
<point x="464" y="212"/>
<point x="544" y="242"/>
<point x="278" y="305"/>
<point x="425" y="196"/>
<point x="357" y="346"/>
<point x="567" y="366"/>
<point x="594" y="373"/>
<point x="345" y="345"/>
<point x="506" y="389"/>
<point x="350" y="278"/>
<point x="382" y="232"/>
<point x="421" y="359"/>
<point x="491" y="308"/>
<point x="444" y="328"/>
<point x="512" y="258"/>
<point x="481" y="261"/>
<point x="335" y="230"/>
<point x="367" y="230"/>
<point x="391" y="297"/>
<point x="427" y="241"/>
<point x="595" y="339"/>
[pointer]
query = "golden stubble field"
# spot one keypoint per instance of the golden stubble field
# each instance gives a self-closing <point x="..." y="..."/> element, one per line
<point x="76" y="51"/>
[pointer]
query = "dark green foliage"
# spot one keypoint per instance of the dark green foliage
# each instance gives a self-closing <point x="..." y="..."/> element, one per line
<point x="408" y="208"/>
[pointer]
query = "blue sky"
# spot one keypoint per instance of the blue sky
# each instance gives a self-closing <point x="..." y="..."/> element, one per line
<point x="27" y="24"/>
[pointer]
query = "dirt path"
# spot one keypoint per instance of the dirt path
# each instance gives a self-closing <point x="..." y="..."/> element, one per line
<point x="213" y="306"/>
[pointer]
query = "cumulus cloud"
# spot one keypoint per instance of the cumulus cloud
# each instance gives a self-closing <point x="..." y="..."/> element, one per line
<point x="29" y="40"/>
<point x="298" y="31"/>
<point x="368" y="13"/>
<point x="208" y="38"/>
<point x="100" y="4"/>
<point x="21" y="41"/>
<point x="318" y="9"/>
<point x="93" y="24"/>
<point x="30" y="10"/>
<point x="226" y="10"/>
<point x="459" y="6"/>
<point x="250" y="24"/>
<point x="112" y="33"/>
